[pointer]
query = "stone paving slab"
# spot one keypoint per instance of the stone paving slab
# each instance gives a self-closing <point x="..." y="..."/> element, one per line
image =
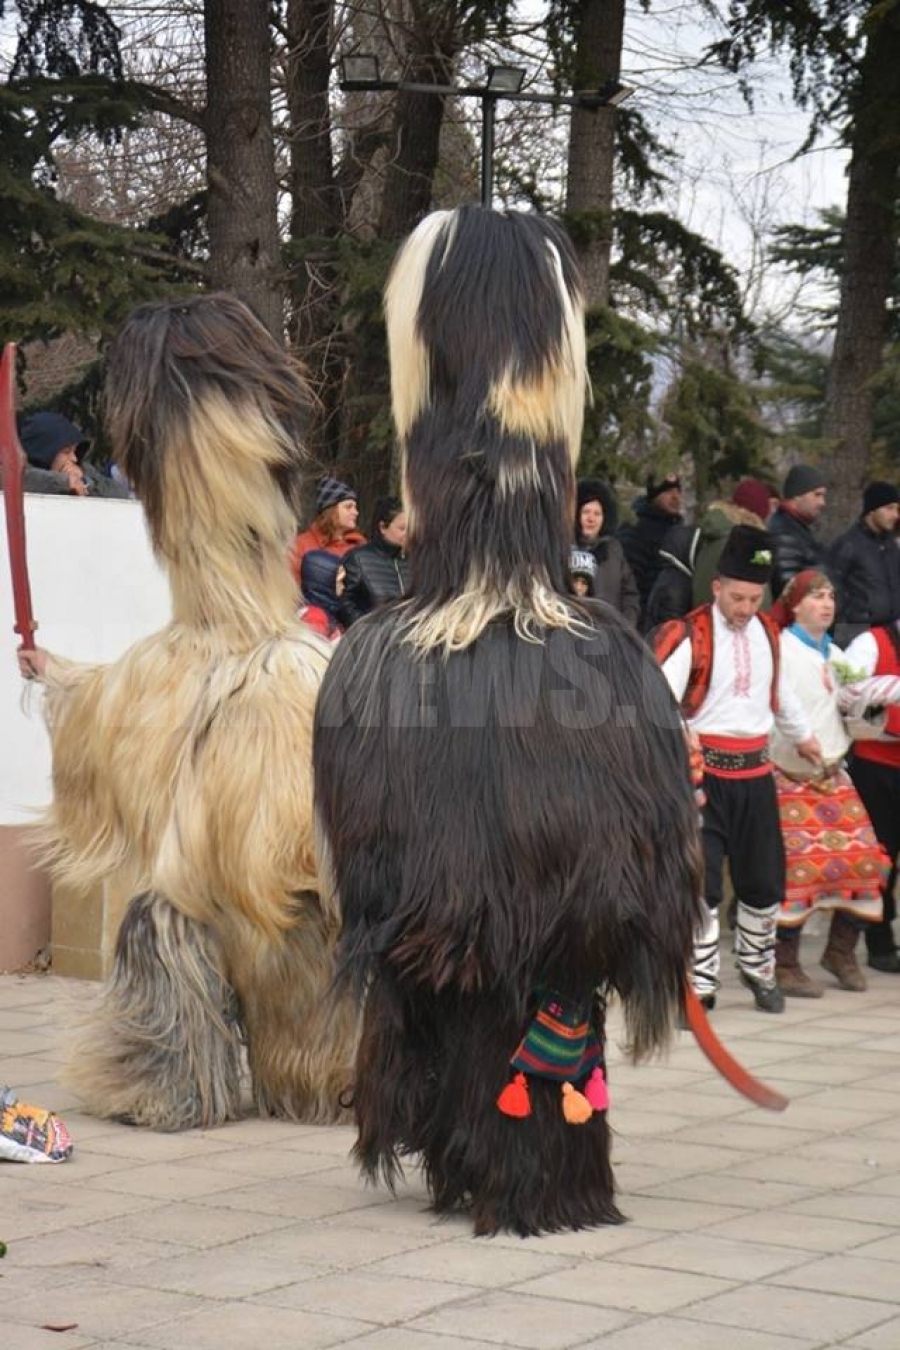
<point x="747" y="1231"/>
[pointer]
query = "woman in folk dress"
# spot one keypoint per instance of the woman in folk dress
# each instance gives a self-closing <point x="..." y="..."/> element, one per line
<point x="834" y="861"/>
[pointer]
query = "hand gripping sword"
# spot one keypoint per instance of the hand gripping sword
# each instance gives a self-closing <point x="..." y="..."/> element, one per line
<point x="11" y="464"/>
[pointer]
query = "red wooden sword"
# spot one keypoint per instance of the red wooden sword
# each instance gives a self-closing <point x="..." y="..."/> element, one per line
<point x="12" y="460"/>
<point x="726" y="1064"/>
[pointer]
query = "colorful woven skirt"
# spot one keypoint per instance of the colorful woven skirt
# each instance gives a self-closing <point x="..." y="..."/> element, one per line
<point x="834" y="860"/>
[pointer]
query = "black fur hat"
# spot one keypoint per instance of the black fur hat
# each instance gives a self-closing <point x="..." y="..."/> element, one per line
<point x="748" y="555"/>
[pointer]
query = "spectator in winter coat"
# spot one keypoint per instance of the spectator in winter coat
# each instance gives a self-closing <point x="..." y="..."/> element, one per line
<point x="672" y="594"/>
<point x="321" y="585"/>
<point x="749" y="505"/>
<point x="594" y="532"/>
<point x="378" y="571"/>
<point x="864" y="565"/>
<point x="334" y="527"/>
<point x="55" y="449"/>
<point x="655" y="514"/>
<point x="803" y="499"/>
<point x="690" y="553"/>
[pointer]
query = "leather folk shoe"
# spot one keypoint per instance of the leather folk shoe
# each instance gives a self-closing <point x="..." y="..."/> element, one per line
<point x="794" y="981"/>
<point x="768" y="997"/>
<point x="843" y="966"/>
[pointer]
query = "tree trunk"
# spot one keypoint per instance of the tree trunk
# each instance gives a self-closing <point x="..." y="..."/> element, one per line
<point x="240" y="155"/>
<point x="406" y="198"/>
<point x="592" y="133"/>
<point x="316" y="217"/>
<point x="869" y="251"/>
<point x="409" y="179"/>
<point x="315" y="206"/>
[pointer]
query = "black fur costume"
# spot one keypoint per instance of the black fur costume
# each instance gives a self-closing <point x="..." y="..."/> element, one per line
<point x="500" y="774"/>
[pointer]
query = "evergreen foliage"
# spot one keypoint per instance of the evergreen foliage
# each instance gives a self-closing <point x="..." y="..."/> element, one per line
<point x="796" y="365"/>
<point x="715" y="421"/>
<point x="63" y="270"/>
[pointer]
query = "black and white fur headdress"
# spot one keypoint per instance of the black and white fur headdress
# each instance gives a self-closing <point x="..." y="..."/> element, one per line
<point x="485" y="319"/>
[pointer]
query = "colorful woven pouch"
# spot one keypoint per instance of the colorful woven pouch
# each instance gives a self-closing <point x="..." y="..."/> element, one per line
<point x="560" y="1044"/>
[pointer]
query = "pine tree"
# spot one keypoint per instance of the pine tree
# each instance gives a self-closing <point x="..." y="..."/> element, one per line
<point x="62" y="270"/>
<point x="845" y="65"/>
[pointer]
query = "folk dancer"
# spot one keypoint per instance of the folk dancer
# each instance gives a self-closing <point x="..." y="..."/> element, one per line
<point x="834" y="861"/>
<point x="723" y="666"/>
<point x="875" y="769"/>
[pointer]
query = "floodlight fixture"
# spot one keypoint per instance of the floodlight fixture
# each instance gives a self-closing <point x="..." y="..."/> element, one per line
<point x="618" y="94"/>
<point x="360" y="71"/>
<point x="504" y="80"/>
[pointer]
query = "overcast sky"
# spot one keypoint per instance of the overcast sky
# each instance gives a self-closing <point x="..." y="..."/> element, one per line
<point x="736" y="167"/>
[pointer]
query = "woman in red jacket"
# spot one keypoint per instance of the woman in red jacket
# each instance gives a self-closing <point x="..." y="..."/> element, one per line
<point x="334" y="527"/>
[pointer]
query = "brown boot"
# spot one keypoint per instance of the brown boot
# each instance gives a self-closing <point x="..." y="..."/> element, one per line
<point x="839" y="956"/>
<point x="790" y="976"/>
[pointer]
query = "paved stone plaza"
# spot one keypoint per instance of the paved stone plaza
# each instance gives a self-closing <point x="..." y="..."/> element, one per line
<point x="748" y="1231"/>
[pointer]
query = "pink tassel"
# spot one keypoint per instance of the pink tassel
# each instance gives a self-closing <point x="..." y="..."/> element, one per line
<point x="596" y="1091"/>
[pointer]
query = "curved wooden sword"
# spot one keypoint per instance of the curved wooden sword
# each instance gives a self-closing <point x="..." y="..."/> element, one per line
<point x="726" y="1064"/>
<point x="12" y="461"/>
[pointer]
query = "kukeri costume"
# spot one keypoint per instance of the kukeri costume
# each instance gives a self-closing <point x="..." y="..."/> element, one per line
<point x="186" y="764"/>
<point x="731" y="689"/>
<point x="498" y="863"/>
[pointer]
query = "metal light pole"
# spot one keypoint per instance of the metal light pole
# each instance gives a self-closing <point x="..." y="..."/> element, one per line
<point x="360" y="73"/>
<point x="488" y="111"/>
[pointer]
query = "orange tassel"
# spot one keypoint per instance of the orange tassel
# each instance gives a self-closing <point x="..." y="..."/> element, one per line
<point x="576" y="1108"/>
<point x="514" y="1099"/>
<point x="596" y="1091"/>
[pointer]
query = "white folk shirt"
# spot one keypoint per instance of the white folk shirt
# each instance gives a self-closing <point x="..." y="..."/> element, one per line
<point x="862" y="654"/>
<point x="816" y="683"/>
<point x="739" y="699"/>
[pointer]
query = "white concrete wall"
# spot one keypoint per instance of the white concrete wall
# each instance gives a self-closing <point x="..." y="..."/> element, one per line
<point x="96" y="588"/>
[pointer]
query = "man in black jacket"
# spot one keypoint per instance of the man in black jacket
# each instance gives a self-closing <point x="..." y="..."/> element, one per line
<point x="378" y="571"/>
<point x="803" y="499"/>
<point x="655" y="514"/>
<point x="864" y="564"/>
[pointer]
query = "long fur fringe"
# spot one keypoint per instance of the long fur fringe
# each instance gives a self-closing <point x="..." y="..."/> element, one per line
<point x="161" y="1047"/>
<point x="525" y="821"/>
<point x="187" y="763"/>
<point x="192" y="764"/>
<point x="489" y="416"/>
<point x="530" y="824"/>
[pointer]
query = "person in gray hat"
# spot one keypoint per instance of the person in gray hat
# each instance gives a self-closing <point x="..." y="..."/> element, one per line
<point x="864" y="565"/>
<point x="55" y="449"/>
<point x="803" y="499"/>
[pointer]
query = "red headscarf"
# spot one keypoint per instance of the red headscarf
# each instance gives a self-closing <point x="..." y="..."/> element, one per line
<point x="784" y="610"/>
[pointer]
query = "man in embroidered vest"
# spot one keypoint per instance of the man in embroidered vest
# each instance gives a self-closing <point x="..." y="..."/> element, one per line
<point x="722" y="665"/>
<point x="875" y="769"/>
